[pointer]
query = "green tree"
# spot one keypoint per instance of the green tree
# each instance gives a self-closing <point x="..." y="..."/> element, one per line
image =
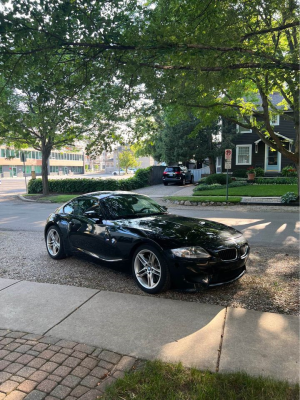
<point x="212" y="57"/>
<point x="186" y="140"/>
<point x="126" y="160"/>
<point x="44" y="111"/>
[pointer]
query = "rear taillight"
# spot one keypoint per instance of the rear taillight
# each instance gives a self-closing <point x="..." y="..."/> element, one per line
<point x="177" y="172"/>
<point x="165" y="173"/>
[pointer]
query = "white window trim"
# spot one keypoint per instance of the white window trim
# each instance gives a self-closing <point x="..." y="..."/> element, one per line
<point x="241" y="129"/>
<point x="277" y="120"/>
<point x="237" y="154"/>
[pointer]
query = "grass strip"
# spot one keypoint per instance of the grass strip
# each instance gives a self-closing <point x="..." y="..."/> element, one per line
<point x="160" y="381"/>
<point x="195" y="199"/>
<point x="57" y="198"/>
<point x="251" y="190"/>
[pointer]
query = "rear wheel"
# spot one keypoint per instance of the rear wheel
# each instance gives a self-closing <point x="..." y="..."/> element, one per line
<point x="54" y="243"/>
<point x="192" y="179"/>
<point x="166" y="183"/>
<point x="150" y="270"/>
<point x="183" y="181"/>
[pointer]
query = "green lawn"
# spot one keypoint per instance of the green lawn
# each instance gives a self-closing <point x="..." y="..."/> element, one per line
<point x="251" y="190"/>
<point x="159" y="381"/>
<point x="55" y="198"/>
<point x="195" y="199"/>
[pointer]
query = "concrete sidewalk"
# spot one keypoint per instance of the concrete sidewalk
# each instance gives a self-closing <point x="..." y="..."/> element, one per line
<point x="199" y="335"/>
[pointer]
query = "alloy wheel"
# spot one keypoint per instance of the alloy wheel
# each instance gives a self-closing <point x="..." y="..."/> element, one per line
<point x="53" y="242"/>
<point x="147" y="269"/>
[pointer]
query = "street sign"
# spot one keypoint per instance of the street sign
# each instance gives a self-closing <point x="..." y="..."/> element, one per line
<point x="22" y="156"/>
<point x="228" y="154"/>
<point x="228" y="164"/>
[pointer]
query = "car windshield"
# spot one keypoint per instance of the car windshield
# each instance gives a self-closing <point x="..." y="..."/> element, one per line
<point x="172" y="169"/>
<point x="130" y="206"/>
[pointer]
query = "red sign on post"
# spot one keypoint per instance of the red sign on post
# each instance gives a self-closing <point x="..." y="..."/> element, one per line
<point x="228" y="154"/>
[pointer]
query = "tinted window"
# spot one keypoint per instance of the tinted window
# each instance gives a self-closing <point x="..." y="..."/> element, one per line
<point x="172" y="169"/>
<point x="122" y="206"/>
<point x="87" y="204"/>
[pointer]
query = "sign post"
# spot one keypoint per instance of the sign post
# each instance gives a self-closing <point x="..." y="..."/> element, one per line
<point x="228" y="157"/>
<point x="23" y="160"/>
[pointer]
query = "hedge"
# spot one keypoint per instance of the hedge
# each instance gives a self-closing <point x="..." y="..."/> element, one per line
<point x="217" y="178"/>
<point x="276" y="181"/>
<point x="84" y="185"/>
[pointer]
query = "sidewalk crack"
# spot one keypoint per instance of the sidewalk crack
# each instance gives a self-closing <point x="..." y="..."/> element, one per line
<point x="72" y="312"/>
<point x="221" y="341"/>
<point x="6" y="287"/>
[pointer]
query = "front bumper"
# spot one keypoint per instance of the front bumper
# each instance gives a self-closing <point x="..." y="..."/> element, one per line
<point x="209" y="272"/>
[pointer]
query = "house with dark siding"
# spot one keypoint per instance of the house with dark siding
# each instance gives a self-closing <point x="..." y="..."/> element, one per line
<point x="250" y="150"/>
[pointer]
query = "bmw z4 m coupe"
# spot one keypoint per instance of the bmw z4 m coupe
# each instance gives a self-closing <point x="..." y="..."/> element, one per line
<point x="163" y="249"/>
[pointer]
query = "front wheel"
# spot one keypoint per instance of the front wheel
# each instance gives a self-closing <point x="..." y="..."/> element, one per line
<point x="54" y="243"/>
<point x="150" y="270"/>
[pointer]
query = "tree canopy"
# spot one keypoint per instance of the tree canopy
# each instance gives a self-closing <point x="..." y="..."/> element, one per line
<point x="214" y="59"/>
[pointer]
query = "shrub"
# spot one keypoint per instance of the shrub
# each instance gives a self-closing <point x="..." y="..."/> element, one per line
<point x="276" y="181"/>
<point x="289" y="171"/>
<point x="259" y="172"/>
<point x="288" y="197"/>
<point x="239" y="173"/>
<point x="83" y="185"/>
<point x="217" y="178"/>
<point x="217" y="186"/>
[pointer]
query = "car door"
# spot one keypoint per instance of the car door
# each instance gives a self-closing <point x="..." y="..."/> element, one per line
<point x="88" y="233"/>
<point x="85" y="225"/>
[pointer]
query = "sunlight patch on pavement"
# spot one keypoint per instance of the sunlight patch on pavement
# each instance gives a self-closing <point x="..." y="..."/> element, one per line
<point x="235" y="221"/>
<point x="281" y="228"/>
<point x="253" y="230"/>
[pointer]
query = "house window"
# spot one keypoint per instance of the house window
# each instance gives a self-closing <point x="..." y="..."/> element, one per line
<point x="274" y="120"/>
<point x="244" y="154"/>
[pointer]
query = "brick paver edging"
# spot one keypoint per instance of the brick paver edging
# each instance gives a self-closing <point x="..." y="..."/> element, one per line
<point x="36" y="367"/>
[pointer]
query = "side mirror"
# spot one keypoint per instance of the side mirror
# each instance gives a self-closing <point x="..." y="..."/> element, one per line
<point x="164" y="208"/>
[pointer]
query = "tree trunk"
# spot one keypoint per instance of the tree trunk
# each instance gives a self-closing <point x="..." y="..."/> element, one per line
<point x="298" y="175"/>
<point x="212" y="165"/>
<point x="45" y="156"/>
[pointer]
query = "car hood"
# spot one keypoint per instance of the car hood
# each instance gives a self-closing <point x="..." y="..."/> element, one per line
<point x="172" y="231"/>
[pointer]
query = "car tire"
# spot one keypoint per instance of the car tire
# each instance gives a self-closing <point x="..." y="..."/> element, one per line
<point x="150" y="271"/>
<point x="54" y="243"/>
<point x="115" y="174"/>
<point x="166" y="183"/>
<point x="192" y="179"/>
<point x="183" y="182"/>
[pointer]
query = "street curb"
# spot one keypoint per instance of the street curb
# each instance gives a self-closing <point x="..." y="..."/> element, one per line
<point x="24" y="199"/>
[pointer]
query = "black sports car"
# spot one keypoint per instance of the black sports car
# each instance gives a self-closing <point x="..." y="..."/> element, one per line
<point x="162" y="248"/>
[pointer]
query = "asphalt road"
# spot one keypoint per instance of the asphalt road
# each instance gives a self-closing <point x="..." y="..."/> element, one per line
<point x="274" y="228"/>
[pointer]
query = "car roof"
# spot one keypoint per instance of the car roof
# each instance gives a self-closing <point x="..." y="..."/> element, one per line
<point x="103" y="194"/>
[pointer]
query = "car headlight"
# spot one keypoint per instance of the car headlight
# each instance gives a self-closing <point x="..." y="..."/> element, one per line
<point x="191" y="252"/>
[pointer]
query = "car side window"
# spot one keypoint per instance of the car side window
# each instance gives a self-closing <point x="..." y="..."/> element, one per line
<point x="70" y="208"/>
<point x="87" y="204"/>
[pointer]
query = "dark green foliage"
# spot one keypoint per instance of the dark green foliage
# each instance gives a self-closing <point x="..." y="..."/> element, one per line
<point x="289" y="171"/>
<point x="240" y="173"/>
<point x="288" y="197"/>
<point x="140" y="179"/>
<point x="217" y="178"/>
<point x="276" y="181"/>
<point x="259" y="172"/>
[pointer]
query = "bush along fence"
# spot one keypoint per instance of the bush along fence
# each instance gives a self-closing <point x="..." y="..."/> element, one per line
<point x="141" y="179"/>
